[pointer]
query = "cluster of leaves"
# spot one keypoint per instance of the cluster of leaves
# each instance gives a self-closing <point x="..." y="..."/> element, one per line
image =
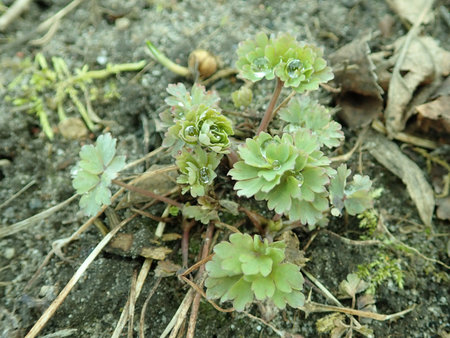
<point x="298" y="65"/>
<point x="198" y="134"/>
<point x="246" y="268"/>
<point x="289" y="172"/>
<point x="93" y="174"/>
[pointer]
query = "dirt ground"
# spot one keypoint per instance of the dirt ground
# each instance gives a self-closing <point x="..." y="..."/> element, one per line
<point x="99" y="32"/>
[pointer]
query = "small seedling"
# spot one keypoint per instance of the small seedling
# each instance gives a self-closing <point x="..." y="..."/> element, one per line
<point x="92" y="176"/>
<point x="44" y="89"/>
<point x="246" y="268"/>
<point x="286" y="168"/>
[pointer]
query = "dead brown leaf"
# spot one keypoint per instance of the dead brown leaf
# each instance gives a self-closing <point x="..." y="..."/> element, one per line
<point x="423" y="62"/>
<point x="360" y="96"/>
<point x="159" y="183"/>
<point x="158" y="253"/>
<point x="73" y="128"/>
<point x="166" y="268"/>
<point x="443" y="209"/>
<point x="410" y="10"/>
<point x="391" y="157"/>
<point x="435" y="115"/>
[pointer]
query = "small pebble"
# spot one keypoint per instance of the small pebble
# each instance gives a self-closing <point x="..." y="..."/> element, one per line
<point x="9" y="253"/>
<point x="101" y="60"/>
<point x="122" y="23"/>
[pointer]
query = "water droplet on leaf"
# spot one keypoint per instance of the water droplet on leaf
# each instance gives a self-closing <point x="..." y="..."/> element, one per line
<point x="190" y="131"/>
<point x="260" y="65"/>
<point x="299" y="177"/>
<point x="276" y="165"/>
<point x="203" y="175"/>
<point x="293" y="67"/>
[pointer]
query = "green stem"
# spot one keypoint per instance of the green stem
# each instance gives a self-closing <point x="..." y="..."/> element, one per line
<point x="268" y="114"/>
<point x="83" y="112"/>
<point x="166" y="62"/>
<point x="109" y="70"/>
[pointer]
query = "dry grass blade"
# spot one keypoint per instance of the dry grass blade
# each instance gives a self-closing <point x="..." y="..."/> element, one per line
<point x="139" y="284"/>
<point x="22" y="225"/>
<point x="144" y="308"/>
<point x="133" y="298"/>
<point x="13" y="12"/>
<point x="39" y="325"/>
<point x="17" y="194"/>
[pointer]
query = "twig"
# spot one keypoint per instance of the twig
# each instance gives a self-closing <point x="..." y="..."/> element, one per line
<point x="139" y="284"/>
<point x="284" y="103"/>
<point x="58" y="16"/>
<point x="39" y="325"/>
<point x="417" y="252"/>
<point x="353" y="242"/>
<point x="346" y="157"/>
<point x="311" y="307"/>
<point x="403" y="137"/>
<point x="186" y="226"/>
<point x="132" y="304"/>
<point x="148" y="193"/>
<point x="13" y="12"/>
<point x="22" y="225"/>
<point x="278" y="332"/>
<point x="17" y="194"/>
<point x="196" y="302"/>
<point x="144" y="307"/>
<point x="175" y="323"/>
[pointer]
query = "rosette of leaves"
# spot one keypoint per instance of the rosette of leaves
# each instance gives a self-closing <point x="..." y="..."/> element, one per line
<point x="290" y="173"/>
<point x="204" y="126"/>
<point x="246" y="268"/>
<point x="93" y="174"/>
<point x="253" y="62"/>
<point x="298" y="65"/>
<point x="182" y="101"/>
<point x="197" y="170"/>
<point x="302" y="67"/>
<point x="354" y="196"/>
<point x="306" y="113"/>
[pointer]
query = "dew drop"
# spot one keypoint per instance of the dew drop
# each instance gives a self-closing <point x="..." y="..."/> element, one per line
<point x="292" y="68"/>
<point x="203" y="175"/>
<point x="276" y="165"/>
<point x="190" y="131"/>
<point x="299" y="177"/>
<point x="260" y="65"/>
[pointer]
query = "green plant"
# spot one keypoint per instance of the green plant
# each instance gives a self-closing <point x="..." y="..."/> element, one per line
<point x="287" y="168"/>
<point x="297" y="65"/>
<point x="197" y="170"/>
<point x="42" y="89"/>
<point x="93" y="174"/>
<point x="246" y="268"/>
<point x="290" y="173"/>
<point x="355" y="196"/>
<point x="381" y="270"/>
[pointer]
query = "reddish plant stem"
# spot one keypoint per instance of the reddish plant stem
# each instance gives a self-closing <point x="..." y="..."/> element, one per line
<point x="268" y="114"/>
<point x="186" y="226"/>
<point x="196" y="301"/>
<point x="148" y="193"/>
